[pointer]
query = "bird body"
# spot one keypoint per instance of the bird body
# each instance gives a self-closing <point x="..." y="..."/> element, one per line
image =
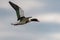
<point x="20" y="15"/>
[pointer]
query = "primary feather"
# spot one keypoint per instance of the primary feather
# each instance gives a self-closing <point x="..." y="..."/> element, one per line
<point x="19" y="11"/>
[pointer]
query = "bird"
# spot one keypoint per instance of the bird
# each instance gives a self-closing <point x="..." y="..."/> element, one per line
<point x="20" y="15"/>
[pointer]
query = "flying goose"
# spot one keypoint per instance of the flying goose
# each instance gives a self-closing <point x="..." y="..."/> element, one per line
<point x="20" y="15"/>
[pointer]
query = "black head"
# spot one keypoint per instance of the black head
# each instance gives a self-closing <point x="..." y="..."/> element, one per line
<point x="35" y="20"/>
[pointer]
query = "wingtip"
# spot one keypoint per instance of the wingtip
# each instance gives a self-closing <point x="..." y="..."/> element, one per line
<point x="9" y="1"/>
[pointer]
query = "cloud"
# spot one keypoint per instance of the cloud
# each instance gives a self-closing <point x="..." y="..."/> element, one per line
<point x="18" y="35"/>
<point x="17" y="32"/>
<point x="24" y="4"/>
<point x="55" y="36"/>
<point x="29" y="36"/>
<point x="22" y="36"/>
<point x="32" y="4"/>
<point x="4" y="3"/>
<point x="1" y="24"/>
<point x="49" y="17"/>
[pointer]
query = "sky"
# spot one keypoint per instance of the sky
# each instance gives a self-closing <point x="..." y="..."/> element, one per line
<point x="47" y="11"/>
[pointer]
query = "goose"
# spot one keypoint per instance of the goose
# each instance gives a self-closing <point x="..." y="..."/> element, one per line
<point x="20" y="15"/>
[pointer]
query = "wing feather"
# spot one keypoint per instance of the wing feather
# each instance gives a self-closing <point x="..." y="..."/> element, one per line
<point x="19" y="11"/>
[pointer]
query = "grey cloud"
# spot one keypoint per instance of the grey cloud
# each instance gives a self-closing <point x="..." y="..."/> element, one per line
<point x="7" y="14"/>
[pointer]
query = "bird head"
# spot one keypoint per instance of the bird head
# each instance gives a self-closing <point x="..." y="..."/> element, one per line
<point x="36" y="20"/>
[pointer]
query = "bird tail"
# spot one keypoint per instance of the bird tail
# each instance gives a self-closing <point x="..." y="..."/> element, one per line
<point x="14" y="24"/>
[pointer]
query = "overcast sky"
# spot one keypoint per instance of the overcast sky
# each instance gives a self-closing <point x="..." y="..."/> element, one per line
<point x="47" y="11"/>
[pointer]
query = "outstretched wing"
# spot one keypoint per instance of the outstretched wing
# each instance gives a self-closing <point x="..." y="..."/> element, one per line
<point x="19" y="11"/>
